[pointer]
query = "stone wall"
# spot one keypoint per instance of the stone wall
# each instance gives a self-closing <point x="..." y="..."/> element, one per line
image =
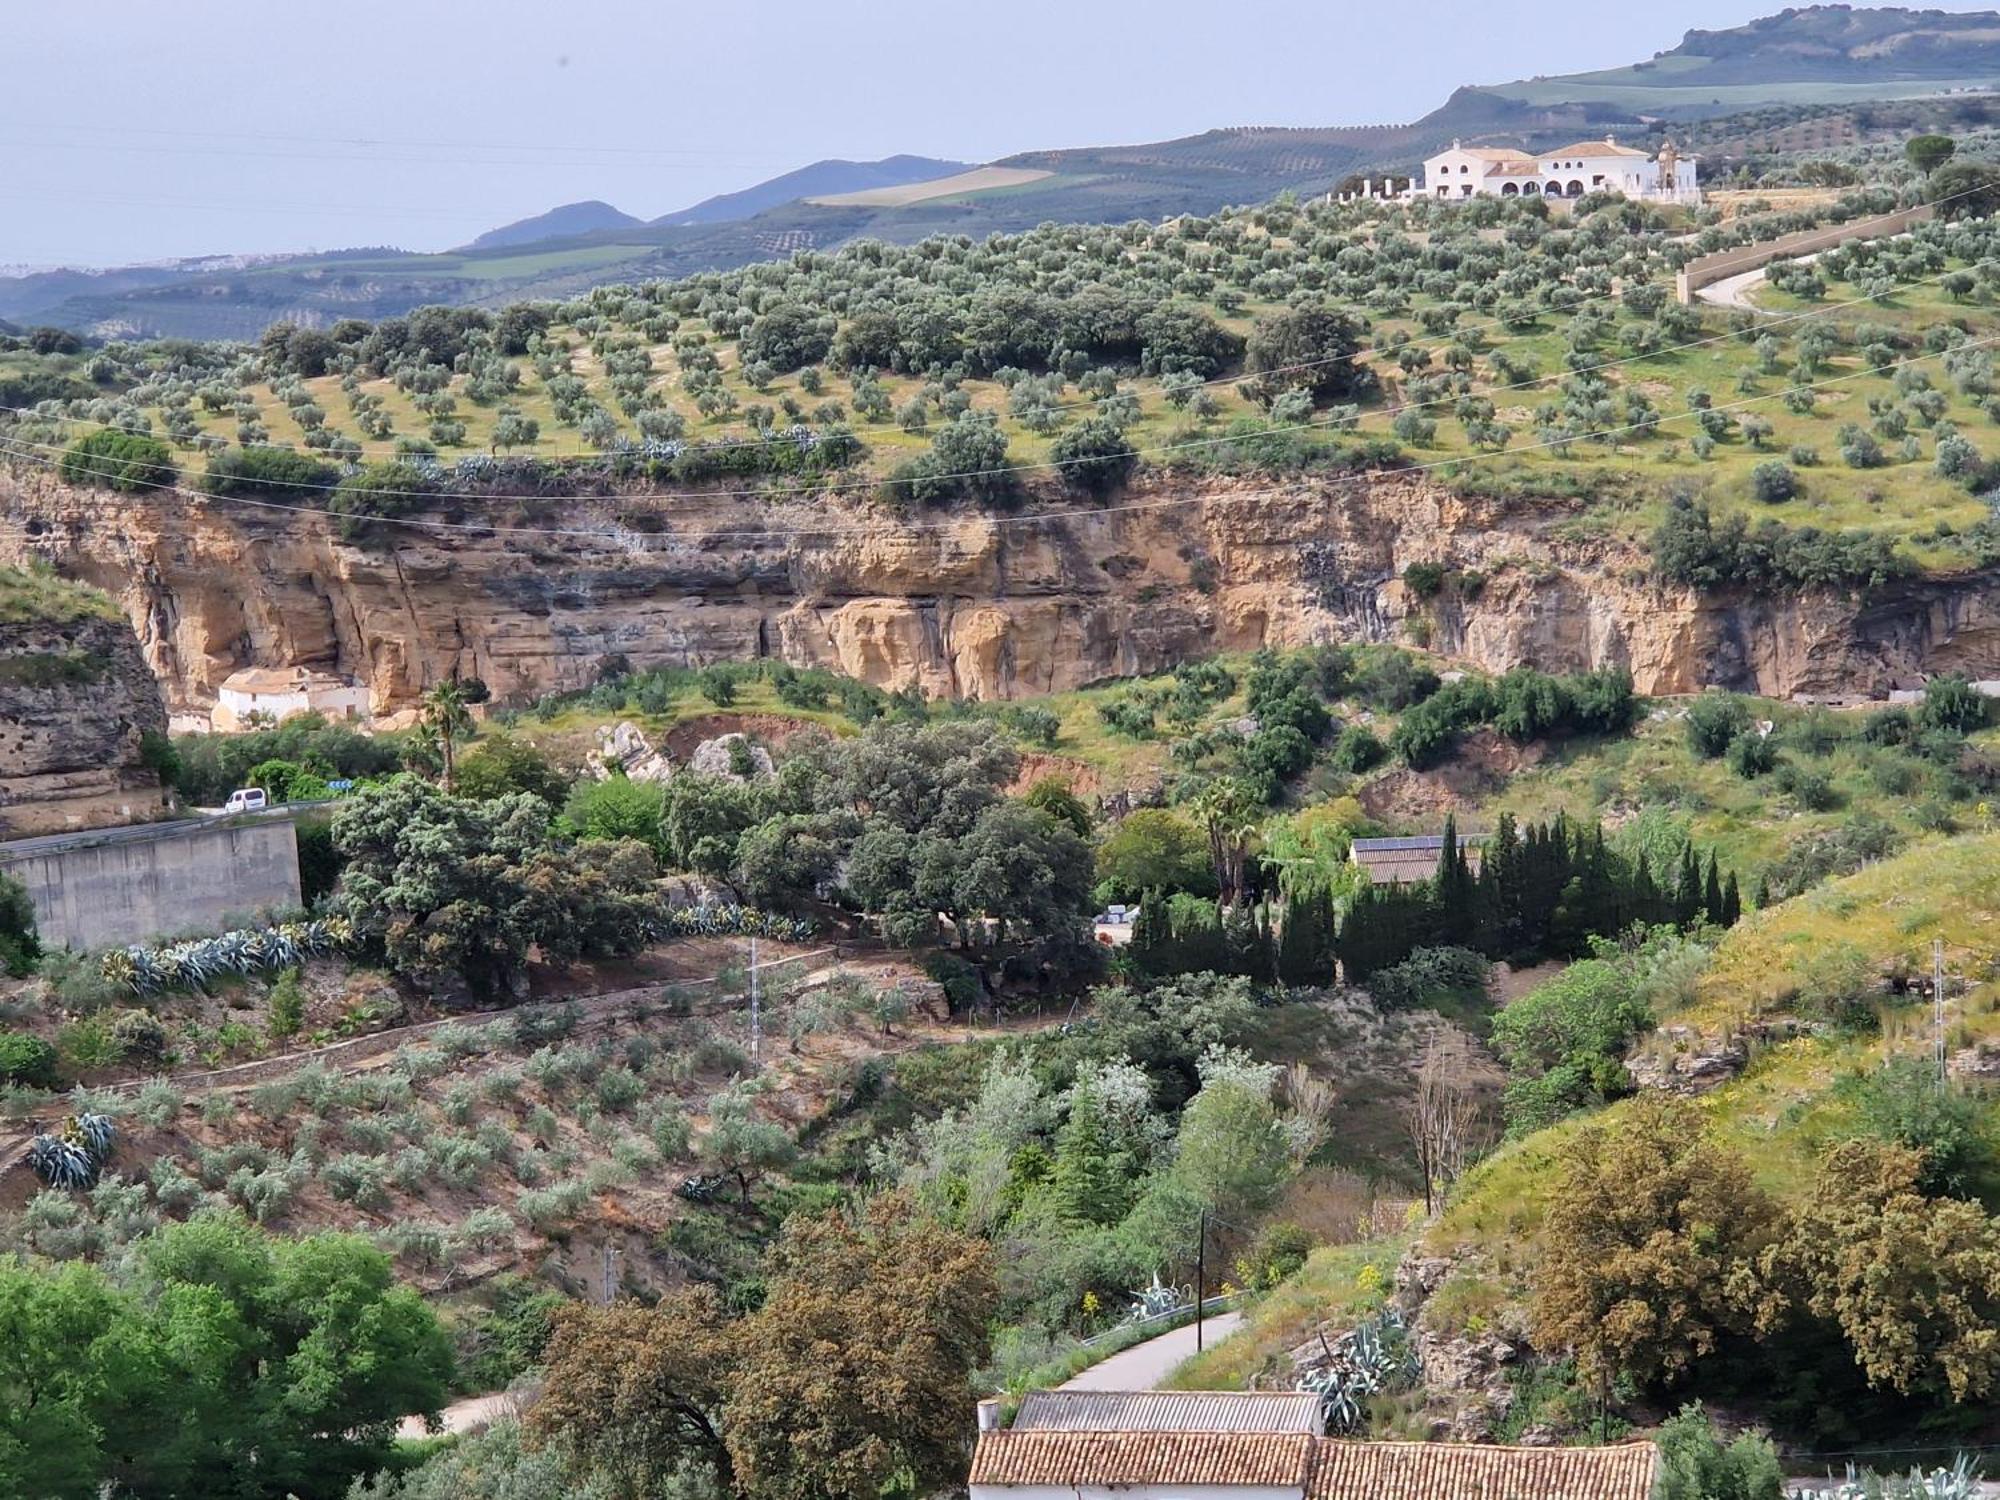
<point x="133" y="885"/>
<point x="1701" y="272"/>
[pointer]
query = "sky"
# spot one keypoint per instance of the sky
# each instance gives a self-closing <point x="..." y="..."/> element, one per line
<point x="134" y="131"/>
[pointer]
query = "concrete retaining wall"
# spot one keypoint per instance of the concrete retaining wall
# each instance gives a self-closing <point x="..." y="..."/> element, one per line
<point x="1708" y="268"/>
<point x="131" y="885"/>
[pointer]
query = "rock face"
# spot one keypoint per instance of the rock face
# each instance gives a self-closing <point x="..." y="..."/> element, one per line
<point x="1686" y="1060"/>
<point x="969" y="605"/>
<point x="75" y="700"/>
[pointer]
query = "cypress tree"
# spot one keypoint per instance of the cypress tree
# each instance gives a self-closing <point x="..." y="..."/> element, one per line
<point x="1089" y="1179"/>
<point x="1454" y="894"/>
<point x="1687" y="889"/>
<point x="1763" y="896"/>
<point x="1152" y="943"/>
<point x="1732" y="902"/>
<point x="1711" y="898"/>
<point x="1305" y="940"/>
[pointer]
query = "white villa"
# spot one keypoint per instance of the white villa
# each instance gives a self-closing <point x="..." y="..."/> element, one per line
<point x="1581" y="167"/>
<point x="281" y="692"/>
<point x="1576" y="169"/>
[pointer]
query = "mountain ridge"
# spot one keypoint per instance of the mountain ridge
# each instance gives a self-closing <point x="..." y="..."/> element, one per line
<point x="1817" y="55"/>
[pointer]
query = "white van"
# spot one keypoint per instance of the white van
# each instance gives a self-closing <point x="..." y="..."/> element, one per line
<point x="246" y="799"/>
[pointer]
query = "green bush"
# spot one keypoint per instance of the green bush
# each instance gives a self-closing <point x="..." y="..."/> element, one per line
<point x="1695" y="1464"/>
<point x="273" y="473"/>
<point x="125" y="461"/>
<point x="27" y="1060"/>
<point x="1430" y="977"/>
<point x="1714" y="720"/>
<point x="19" y="947"/>
<point x="1752" y="754"/>
<point x="1774" y="482"/>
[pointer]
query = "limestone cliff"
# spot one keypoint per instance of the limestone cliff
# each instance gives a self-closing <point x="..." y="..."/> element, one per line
<point x="75" y="699"/>
<point x="980" y="606"/>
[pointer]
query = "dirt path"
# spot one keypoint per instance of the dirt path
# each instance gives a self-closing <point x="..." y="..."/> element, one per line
<point x="470" y="1415"/>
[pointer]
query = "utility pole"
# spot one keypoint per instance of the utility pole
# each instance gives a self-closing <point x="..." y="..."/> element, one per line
<point x="756" y="1015"/>
<point x="1937" y="1005"/>
<point x="610" y="1264"/>
<point x="1200" y="1274"/>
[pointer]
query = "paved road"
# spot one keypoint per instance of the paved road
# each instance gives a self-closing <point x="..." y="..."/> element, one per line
<point x="1735" y="291"/>
<point x="1145" y="1366"/>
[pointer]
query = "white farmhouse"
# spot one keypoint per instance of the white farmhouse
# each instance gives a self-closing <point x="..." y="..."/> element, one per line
<point x="280" y="692"/>
<point x="1574" y="170"/>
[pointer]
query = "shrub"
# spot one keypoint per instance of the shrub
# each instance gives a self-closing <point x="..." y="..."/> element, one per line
<point x="1358" y="750"/>
<point x="360" y="1180"/>
<point x="1429" y="977"/>
<point x="111" y="459"/>
<point x="274" y="473"/>
<point x="139" y="1037"/>
<point x="1903" y="1104"/>
<point x="27" y="1060"/>
<point x="1714" y="720"/>
<point x="1774" y="482"/>
<point x="1752" y="754"/>
<point x="1095" y="455"/>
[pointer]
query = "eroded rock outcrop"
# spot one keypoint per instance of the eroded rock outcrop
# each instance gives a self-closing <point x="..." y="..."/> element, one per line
<point x="76" y="699"/>
<point x="979" y="606"/>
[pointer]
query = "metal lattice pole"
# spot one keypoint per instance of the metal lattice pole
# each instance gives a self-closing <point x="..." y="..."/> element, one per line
<point x="1937" y="1005"/>
<point x="756" y="1014"/>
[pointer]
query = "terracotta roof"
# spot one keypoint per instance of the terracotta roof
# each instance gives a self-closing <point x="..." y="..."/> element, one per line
<point x="1594" y="148"/>
<point x="1527" y="166"/>
<point x="1495" y="153"/>
<point x="1109" y="1458"/>
<point x="1169" y="1411"/>
<point x="1345" y="1470"/>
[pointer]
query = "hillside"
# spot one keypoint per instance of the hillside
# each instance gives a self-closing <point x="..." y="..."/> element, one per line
<point x="1789" y="1087"/>
<point x="818" y="180"/>
<point x="1810" y="54"/>
<point x="565" y="222"/>
<point x="1816" y="56"/>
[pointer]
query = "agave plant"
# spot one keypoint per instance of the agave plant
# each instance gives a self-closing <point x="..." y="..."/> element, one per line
<point x="1372" y="1357"/>
<point x="198" y="963"/>
<point x="1959" y="1482"/>
<point x="73" y="1156"/>
<point x="1158" y="1300"/>
<point x="726" y="919"/>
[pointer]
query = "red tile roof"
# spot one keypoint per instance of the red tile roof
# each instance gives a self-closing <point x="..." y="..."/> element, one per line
<point x="1345" y="1470"/>
<point x="1073" y="1458"/>
<point x="1324" y="1468"/>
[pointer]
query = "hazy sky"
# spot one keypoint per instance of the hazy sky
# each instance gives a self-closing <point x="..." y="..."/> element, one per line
<point x="134" y="130"/>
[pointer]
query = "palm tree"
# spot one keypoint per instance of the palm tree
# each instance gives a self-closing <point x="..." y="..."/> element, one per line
<point x="447" y="717"/>
<point x="1226" y="812"/>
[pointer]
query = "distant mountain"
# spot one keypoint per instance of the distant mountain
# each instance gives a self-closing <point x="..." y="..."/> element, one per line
<point x="1821" y="57"/>
<point x="1818" y="54"/>
<point x="571" y="219"/>
<point x="821" y="179"/>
